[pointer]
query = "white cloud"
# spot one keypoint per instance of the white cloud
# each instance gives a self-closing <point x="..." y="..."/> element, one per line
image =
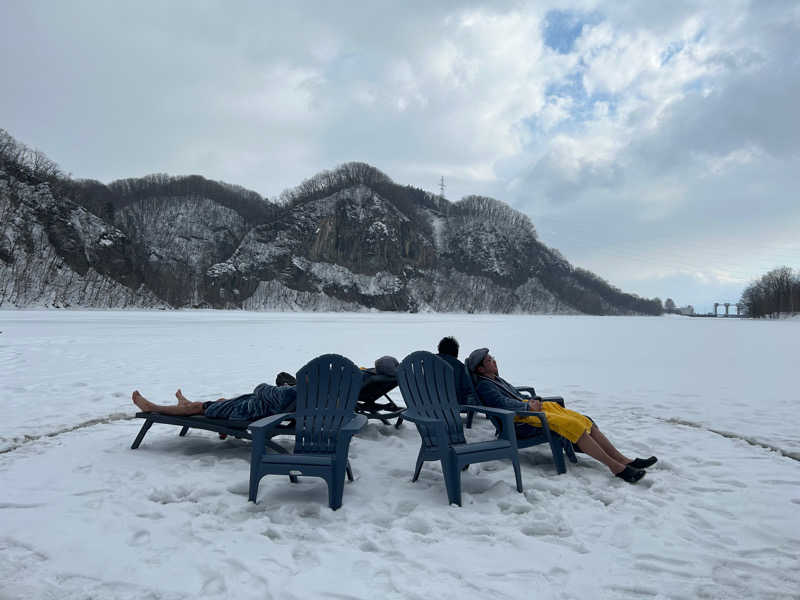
<point x="662" y="119"/>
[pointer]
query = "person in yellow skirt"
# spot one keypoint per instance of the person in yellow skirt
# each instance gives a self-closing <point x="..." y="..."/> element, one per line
<point x="577" y="428"/>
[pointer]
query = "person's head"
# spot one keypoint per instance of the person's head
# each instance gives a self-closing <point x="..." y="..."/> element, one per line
<point x="448" y="346"/>
<point x="283" y="378"/>
<point x="387" y="365"/>
<point x="481" y="362"/>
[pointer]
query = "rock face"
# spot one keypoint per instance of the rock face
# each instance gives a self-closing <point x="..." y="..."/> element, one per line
<point x="56" y="253"/>
<point x="350" y="243"/>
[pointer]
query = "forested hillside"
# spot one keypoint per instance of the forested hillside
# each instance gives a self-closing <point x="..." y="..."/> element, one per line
<point x="345" y="239"/>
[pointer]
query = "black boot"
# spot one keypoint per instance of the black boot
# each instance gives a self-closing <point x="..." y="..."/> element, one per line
<point x="643" y="463"/>
<point x="630" y="474"/>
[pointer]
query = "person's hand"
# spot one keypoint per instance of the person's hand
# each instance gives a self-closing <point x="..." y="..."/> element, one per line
<point x="534" y="405"/>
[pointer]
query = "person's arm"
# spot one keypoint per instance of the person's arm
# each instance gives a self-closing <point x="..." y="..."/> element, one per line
<point x="491" y="395"/>
<point x="288" y="398"/>
<point x="535" y="404"/>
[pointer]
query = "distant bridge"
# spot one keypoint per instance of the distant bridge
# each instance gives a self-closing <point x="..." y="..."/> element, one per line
<point x="738" y="305"/>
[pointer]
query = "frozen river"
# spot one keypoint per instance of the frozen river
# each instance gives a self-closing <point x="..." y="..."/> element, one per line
<point x="81" y="515"/>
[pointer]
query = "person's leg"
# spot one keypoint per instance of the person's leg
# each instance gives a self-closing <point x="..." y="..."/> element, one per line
<point x="180" y="409"/>
<point x="607" y="446"/>
<point x="588" y="444"/>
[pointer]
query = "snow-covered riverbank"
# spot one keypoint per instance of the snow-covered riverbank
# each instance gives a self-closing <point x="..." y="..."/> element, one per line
<point x="81" y="515"/>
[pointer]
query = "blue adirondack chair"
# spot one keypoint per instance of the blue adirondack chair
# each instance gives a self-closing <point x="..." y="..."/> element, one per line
<point x="428" y="388"/>
<point x="327" y="389"/>
<point x="559" y="446"/>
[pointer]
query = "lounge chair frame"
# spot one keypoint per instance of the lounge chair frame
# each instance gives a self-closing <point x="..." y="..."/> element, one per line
<point x="224" y="427"/>
<point x="374" y="387"/>
<point x="559" y="446"/>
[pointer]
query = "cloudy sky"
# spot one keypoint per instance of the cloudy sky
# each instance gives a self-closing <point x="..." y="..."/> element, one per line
<point x="654" y="143"/>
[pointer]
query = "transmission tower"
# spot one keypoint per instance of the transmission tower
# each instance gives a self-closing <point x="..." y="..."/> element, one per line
<point x="442" y="187"/>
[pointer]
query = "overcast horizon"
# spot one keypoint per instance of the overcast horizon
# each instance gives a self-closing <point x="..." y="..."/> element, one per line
<point x="655" y="145"/>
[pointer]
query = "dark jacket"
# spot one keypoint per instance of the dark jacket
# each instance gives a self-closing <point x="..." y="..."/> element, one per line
<point x="463" y="388"/>
<point x="498" y="393"/>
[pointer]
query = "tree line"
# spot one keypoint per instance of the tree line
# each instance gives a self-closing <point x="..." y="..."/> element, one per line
<point x="612" y="295"/>
<point x="776" y="293"/>
<point x="407" y="199"/>
<point x="34" y="166"/>
<point x="26" y="163"/>
<point x="497" y="211"/>
<point x="247" y="203"/>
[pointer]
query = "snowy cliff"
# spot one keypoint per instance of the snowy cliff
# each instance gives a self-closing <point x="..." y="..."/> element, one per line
<point x="345" y="240"/>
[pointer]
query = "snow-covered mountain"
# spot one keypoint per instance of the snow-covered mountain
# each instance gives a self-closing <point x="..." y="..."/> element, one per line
<point x="349" y="239"/>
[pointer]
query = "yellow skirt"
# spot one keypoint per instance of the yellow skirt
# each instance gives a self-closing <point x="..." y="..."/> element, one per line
<point x="564" y="422"/>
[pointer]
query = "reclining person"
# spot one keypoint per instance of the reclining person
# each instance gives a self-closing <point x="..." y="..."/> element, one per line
<point x="448" y="350"/>
<point x="578" y="429"/>
<point x="265" y="400"/>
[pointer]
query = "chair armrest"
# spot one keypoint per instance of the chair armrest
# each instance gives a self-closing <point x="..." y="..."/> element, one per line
<point x="439" y="426"/>
<point x="542" y="418"/>
<point x="270" y="422"/>
<point x="527" y="389"/>
<point x="487" y="410"/>
<point x="355" y="424"/>
<point x="346" y="433"/>
<point x="409" y="415"/>
<point x="556" y="399"/>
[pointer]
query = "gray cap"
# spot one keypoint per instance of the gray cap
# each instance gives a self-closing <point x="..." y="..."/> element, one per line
<point x="387" y="365"/>
<point x="475" y="358"/>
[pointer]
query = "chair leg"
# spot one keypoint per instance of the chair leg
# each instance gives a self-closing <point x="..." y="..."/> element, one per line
<point x="557" y="448"/>
<point x="184" y="430"/>
<point x="334" y="495"/>
<point x="569" y="451"/>
<point x="349" y="472"/>
<point x="452" y="480"/>
<point x="140" y="436"/>
<point x="398" y="422"/>
<point x="336" y="486"/>
<point x="419" y="466"/>
<point x="470" y="416"/>
<point x="257" y="450"/>
<point x="517" y="474"/>
<point x="254" y="481"/>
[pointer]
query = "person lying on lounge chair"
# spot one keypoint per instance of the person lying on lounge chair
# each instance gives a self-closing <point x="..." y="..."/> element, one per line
<point x="265" y="400"/>
<point x="578" y="429"/>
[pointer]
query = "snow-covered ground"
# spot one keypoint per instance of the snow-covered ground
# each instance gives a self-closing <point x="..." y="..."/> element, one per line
<point x="83" y="516"/>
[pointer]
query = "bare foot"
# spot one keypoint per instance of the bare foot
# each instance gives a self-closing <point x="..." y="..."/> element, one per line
<point x="142" y="402"/>
<point x="182" y="400"/>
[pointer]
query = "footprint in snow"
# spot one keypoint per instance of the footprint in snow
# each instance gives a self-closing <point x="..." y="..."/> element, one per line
<point x="369" y="546"/>
<point x="418" y="525"/>
<point x="214" y="585"/>
<point x="140" y="538"/>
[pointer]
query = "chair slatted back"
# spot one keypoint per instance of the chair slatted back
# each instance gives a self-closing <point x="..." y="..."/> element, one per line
<point x="472" y="379"/>
<point x="428" y="386"/>
<point x="327" y="389"/>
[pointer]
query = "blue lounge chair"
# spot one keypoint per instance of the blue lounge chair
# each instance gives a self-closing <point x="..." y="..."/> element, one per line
<point x="327" y="389"/>
<point x="428" y="388"/>
<point x="224" y="427"/>
<point x="559" y="446"/>
<point x="374" y="401"/>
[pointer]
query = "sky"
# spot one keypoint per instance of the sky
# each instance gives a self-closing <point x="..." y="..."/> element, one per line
<point x="655" y="144"/>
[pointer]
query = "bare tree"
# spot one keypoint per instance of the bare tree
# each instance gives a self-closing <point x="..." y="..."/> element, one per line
<point x="23" y="161"/>
<point x="778" y="291"/>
